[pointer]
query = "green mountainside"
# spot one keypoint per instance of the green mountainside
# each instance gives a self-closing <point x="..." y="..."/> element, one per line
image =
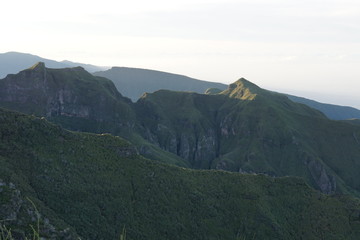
<point x="78" y="101"/>
<point x="353" y="121"/>
<point x="241" y="129"/>
<point x="134" y="82"/>
<point x="248" y="129"/>
<point x="96" y="186"/>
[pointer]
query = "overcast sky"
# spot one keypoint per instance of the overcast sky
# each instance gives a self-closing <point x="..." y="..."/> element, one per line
<point x="303" y="47"/>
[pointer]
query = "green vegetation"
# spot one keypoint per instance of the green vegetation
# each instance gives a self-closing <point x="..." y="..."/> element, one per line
<point x="78" y="101"/>
<point x="93" y="185"/>
<point x="243" y="128"/>
<point x="248" y="129"/>
<point x="353" y="121"/>
<point x="97" y="184"/>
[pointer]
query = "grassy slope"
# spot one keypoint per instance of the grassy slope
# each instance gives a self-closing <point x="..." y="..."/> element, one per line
<point x="98" y="184"/>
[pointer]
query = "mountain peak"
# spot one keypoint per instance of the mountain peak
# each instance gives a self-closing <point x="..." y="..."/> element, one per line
<point x="39" y="66"/>
<point x="243" y="89"/>
<point x="243" y="83"/>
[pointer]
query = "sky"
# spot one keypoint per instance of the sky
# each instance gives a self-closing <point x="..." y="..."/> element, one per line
<point x="306" y="48"/>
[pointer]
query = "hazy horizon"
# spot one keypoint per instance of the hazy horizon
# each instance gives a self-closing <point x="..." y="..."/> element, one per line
<point x="305" y="47"/>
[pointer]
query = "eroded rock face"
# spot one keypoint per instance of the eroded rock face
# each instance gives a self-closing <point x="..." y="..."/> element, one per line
<point x="198" y="148"/>
<point x="325" y="181"/>
<point x="69" y="93"/>
<point x="16" y="88"/>
<point x="65" y="103"/>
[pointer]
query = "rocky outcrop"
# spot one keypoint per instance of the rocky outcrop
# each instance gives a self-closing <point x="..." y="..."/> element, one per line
<point x="325" y="182"/>
<point x="199" y="148"/>
<point x="18" y="214"/>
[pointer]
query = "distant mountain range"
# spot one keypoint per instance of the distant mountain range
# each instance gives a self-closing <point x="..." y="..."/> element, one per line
<point x="14" y="62"/>
<point x="134" y="82"/>
<point x="332" y="111"/>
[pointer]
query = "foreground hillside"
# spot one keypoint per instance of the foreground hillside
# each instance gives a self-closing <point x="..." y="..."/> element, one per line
<point x="95" y="186"/>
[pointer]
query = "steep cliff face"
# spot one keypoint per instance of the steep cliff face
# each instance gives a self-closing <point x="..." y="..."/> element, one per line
<point x="204" y="129"/>
<point x="248" y="129"/>
<point x="173" y="121"/>
<point x="65" y="93"/>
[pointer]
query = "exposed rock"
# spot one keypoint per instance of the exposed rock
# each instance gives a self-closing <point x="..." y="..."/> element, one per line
<point x="20" y="213"/>
<point x="325" y="181"/>
<point x="70" y="93"/>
